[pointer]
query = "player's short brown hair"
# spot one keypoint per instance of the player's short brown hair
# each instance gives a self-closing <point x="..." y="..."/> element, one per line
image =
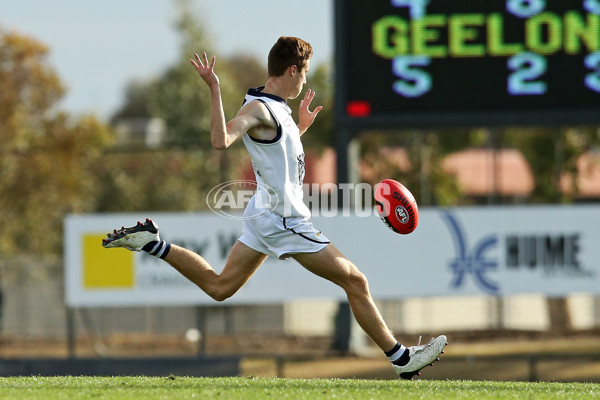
<point x="286" y="52"/>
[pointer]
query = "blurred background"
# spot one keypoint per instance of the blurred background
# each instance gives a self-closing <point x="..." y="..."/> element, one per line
<point x="101" y="112"/>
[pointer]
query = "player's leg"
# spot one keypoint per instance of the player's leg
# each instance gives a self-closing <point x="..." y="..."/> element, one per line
<point x="241" y="264"/>
<point x="330" y="263"/>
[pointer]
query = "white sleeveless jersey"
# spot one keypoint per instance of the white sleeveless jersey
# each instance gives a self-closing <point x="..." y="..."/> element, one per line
<point x="279" y="163"/>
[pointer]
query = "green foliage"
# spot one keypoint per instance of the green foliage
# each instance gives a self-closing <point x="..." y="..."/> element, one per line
<point x="136" y="102"/>
<point x="162" y="180"/>
<point x="550" y="154"/>
<point x="247" y="72"/>
<point x="173" y="387"/>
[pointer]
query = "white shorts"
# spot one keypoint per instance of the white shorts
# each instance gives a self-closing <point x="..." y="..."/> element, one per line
<point x="278" y="236"/>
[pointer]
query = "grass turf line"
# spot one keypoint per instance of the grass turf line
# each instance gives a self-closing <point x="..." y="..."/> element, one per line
<point x="150" y="388"/>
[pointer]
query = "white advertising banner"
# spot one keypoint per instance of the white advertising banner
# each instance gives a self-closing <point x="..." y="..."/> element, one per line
<point x="552" y="250"/>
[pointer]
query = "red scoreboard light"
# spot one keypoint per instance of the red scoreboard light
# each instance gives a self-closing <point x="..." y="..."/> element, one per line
<point x="358" y="109"/>
<point x="463" y="62"/>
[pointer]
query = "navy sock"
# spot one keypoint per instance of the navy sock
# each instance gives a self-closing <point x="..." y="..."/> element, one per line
<point x="399" y="355"/>
<point x="158" y="249"/>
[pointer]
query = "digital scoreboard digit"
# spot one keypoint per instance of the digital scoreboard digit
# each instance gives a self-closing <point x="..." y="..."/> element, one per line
<point x="449" y="62"/>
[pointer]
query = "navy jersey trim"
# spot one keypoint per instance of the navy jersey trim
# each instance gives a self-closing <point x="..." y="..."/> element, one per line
<point x="258" y="92"/>
<point x="304" y="236"/>
<point x="279" y="131"/>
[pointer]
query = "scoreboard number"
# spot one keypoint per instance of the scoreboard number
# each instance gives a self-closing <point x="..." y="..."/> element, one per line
<point x="592" y="80"/>
<point x="414" y="81"/>
<point x="525" y="8"/>
<point x="417" y="7"/>
<point x="592" y="6"/>
<point x="528" y="68"/>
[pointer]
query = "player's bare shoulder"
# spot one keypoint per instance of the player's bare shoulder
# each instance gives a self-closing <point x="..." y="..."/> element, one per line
<point x="265" y="127"/>
<point x="258" y="110"/>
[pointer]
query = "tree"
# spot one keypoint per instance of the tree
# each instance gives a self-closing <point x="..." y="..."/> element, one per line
<point x="247" y="72"/>
<point x="179" y="97"/>
<point x="551" y="153"/>
<point x="136" y="102"/>
<point x="45" y="156"/>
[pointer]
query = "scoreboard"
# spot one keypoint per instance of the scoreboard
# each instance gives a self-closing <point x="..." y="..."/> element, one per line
<point x="465" y="62"/>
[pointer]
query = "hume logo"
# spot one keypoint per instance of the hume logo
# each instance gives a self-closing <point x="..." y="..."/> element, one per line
<point x="551" y="254"/>
<point x="473" y="260"/>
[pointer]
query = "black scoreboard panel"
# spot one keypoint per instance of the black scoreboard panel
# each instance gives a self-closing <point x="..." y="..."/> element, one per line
<point x="448" y="62"/>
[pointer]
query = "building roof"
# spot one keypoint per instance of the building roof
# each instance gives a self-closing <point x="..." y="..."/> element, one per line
<point x="483" y="171"/>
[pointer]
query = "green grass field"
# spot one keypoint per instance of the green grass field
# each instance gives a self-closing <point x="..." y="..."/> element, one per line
<point x="147" y="388"/>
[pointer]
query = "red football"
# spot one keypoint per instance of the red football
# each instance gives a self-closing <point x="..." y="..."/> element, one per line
<point x="396" y="206"/>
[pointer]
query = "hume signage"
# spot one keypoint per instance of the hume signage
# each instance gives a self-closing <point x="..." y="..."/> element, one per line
<point x="547" y="257"/>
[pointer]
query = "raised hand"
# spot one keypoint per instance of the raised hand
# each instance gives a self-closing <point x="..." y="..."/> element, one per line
<point x="206" y="70"/>
<point x="305" y="116"/>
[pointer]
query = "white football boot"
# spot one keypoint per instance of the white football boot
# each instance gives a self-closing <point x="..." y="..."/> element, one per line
<point x="134" y="238"/>
<point x="421" y="357"/>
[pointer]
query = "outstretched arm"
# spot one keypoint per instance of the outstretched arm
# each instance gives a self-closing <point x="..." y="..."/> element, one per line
<point x="307" y="117"/>
<point x="222" y="134"/>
